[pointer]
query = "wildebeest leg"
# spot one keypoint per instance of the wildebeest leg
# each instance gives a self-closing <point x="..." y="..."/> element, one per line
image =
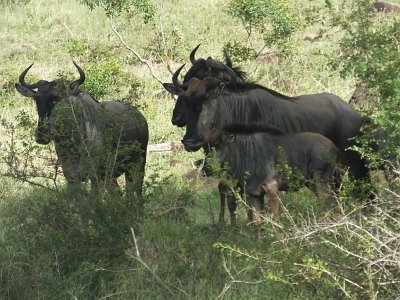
<point x="271" y="188"/>
<point x="113" y="188"/>
<point x="75" y="190"/>
<point x="222" y="196"/>
<point x="134" y="182"/>
<point x="226" y="195"/>
<point x="94" y="183"/>
<point x="232" y="205"/>
<point x="254" y="216"/>
<point x="320" y="186"/>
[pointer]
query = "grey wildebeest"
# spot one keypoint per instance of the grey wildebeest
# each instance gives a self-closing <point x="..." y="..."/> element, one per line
<point x="253" y="153"/>
<point x="214" y="103"/>
<point x="93" y="141"/>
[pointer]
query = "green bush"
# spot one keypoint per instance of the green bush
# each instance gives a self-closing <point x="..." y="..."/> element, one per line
<point x="369" y="51"/>
<point x="105" y="76"/>
<point x="239" y="52"/>
<point x="272" y="19"/>
<point x="133" y="7"/>
<point x="51" y="238"/>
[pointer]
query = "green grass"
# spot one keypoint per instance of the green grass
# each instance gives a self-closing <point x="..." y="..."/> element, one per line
<point x="54" y="247"/>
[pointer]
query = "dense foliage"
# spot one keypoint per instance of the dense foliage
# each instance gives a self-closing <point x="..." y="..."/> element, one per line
<point x="370" y="51"/>
<point x="272" y="19"/>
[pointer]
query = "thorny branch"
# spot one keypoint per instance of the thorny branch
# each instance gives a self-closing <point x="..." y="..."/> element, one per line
<point x="233" y="281"/>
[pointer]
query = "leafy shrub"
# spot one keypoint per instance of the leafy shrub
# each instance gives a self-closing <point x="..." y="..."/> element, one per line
<point x="105" y="76"/>
<point x="54" y="237"/>
<point x="78" y="47"/>
<point x="133" y="7"/>
<point x="239" y="52"/>
<point x="272" y="19"/>
<point x="369" y="51"/>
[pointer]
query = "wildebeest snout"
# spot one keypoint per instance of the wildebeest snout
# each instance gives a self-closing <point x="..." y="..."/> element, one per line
<point x="192" y="145"/>
<point x="41" y="137"/>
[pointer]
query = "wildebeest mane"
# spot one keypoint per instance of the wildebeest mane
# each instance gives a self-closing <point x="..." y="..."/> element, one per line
<point x="250" y="128"/>
<point x="246" y="86"/>
<point x="85" y="110"/>
<point x="231" y="107"/>
<point x="202" y="64"/>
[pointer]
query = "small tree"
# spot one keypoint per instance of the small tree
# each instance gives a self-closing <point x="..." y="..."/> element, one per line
<point x="270" y="18"/>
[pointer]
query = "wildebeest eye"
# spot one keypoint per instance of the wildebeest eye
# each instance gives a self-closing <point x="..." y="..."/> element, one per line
<point x="228" y="138"/>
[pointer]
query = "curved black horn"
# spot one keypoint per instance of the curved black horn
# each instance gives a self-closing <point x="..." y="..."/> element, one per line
<point x="232" y="75"/>
<point x="227" y="59"/>
<point x="192" y="54"/>
<point x="22" y="79"/>
<point x="82" y="76"/>
<point x="176" y="74"/>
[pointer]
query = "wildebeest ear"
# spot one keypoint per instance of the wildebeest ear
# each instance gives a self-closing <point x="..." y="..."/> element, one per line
<point x="173" y="89"/>
<point x="212" y="81"/>
<point x="73" y="86"/>
<point x="24" y="91"/>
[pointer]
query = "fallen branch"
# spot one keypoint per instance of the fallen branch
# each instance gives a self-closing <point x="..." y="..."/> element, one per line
<point x="164" y="147"/>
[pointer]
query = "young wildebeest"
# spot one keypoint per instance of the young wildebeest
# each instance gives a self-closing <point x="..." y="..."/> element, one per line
<point x="214" y="103"/>
<point x="252" y="155"/>
<point x="96" y="141"/>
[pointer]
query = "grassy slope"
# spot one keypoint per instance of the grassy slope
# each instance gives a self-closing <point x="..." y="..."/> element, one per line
<point x="181" y="254"/>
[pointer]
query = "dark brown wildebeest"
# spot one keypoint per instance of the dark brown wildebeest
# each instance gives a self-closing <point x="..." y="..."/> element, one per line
<point x="96" y="141"/>
<point x="214" y="103"/>
<point x="252" y="154"/>
<point x="200" y="69"/>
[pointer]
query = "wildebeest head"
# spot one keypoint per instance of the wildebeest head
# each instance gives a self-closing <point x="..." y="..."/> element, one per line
<point x="196" y="88"/>
<point x="192" y="96"/>
<point x="200" y="69"/>
<point x="46" y="94"/>
<point x="209" y="67"/>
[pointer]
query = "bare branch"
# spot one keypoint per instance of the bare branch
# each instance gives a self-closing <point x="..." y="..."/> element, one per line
<point x="233" y="281"/>
<point x="139" y="57"/>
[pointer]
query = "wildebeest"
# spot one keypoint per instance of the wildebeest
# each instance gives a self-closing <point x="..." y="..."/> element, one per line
<point x="253" y="153"/>
<point x="93" y="141"/>
<point x="214" y="103"/>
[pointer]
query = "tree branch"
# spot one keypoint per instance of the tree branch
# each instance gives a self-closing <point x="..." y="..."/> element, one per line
<point x="142" y="60"/>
